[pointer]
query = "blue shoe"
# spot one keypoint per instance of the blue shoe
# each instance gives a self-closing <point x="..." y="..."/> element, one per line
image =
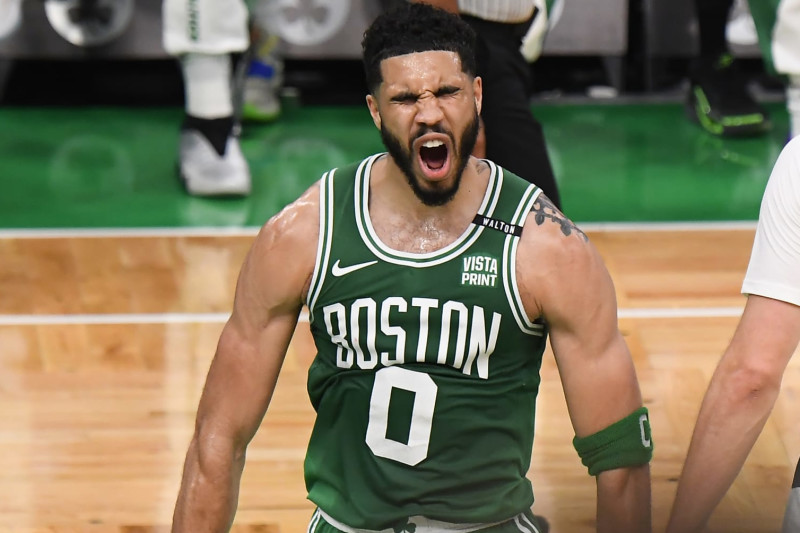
<point x="263" y="81"/>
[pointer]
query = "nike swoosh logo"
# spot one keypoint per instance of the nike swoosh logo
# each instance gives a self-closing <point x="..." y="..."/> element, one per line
<point x="339" y="271"/>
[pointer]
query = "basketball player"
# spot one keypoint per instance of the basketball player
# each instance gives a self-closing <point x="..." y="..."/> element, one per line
<point x="748" y="378"/>
<point x="431" y="280"/>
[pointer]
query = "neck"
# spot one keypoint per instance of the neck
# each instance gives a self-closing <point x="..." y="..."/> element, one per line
<point x="404" y="223"/>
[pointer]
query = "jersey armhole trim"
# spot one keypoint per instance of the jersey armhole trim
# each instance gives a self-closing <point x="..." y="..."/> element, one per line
<point x="324" y="241"/>
<point x="526" y="325"/>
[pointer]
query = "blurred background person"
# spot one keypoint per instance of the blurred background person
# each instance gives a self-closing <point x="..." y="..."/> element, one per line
<point x="778" y="25"/>
<point x="204" y="35"/>
<point x="718" y="99"/>
<point x="10" y="16"/>
<point x="262" y="65"/>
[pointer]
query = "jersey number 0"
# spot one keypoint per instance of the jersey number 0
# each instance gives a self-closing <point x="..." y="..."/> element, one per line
<point x="424" y="389"/>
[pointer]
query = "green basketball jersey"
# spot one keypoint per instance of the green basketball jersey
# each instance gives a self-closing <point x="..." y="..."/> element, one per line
<point x="427" y="366"/>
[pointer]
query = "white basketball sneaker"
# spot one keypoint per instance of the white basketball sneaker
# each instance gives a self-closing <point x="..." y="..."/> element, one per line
<point x="205" y="173"/>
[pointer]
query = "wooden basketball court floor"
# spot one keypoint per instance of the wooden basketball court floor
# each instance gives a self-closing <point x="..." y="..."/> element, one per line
<point x="106" y="336"/>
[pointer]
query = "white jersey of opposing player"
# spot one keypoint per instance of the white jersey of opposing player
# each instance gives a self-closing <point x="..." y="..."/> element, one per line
<point x="774" y="270"/>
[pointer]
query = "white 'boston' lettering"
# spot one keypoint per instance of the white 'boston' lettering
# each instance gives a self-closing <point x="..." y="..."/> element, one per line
<point x="344" y="354"/>
<point x="464" y="341"/>
<point x="478" y="346"/>
<point x="461" y="335"/>
<point x="425" y="305"/>
<point x="396" y="331"/>
<point x="368" y="361"/>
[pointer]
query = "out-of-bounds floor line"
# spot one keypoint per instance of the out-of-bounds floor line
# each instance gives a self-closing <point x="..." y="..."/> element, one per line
<point x="219" y="318"/>
<point x="248" y="231"/>
<point x="104" y="233"/>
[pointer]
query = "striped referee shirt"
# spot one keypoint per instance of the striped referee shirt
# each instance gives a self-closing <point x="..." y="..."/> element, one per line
<point x="497" y="10"/>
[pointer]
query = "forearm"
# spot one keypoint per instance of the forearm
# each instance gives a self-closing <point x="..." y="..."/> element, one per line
<point x="728" y="425"/>
<point x="623" y="500"/>
<point x="209" y="493"/>
<point x="735" y="408"/>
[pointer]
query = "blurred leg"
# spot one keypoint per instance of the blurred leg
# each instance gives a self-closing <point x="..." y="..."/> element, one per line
<point x="514" y="138"/>
<point x="712" y="19"/>
<point x="718" y="97"/>
<point x="263" y="78"/>
<point x="203" y="34"/>
<point x="778" y="26"/>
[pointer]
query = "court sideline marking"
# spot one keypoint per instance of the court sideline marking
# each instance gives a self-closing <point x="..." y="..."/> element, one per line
<point x="251" y="231"/>
<point x="220" y="318"/>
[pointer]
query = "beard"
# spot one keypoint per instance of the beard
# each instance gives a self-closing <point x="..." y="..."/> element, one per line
<point x="403" y="157"/>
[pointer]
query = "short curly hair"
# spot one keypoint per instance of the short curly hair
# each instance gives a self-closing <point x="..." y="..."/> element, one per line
<point x="415" y="27"/>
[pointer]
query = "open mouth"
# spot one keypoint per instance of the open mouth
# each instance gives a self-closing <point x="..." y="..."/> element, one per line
<point x="433" y="156"/>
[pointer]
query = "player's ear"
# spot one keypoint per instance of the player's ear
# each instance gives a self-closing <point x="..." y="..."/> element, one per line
<point x="372" y="104"/>
<point x="477" y="89"/>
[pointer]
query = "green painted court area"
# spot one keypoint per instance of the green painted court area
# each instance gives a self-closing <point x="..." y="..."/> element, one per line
<point x="116" y="167"/>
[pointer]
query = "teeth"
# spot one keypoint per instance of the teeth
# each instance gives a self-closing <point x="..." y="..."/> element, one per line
<point x="433" y="144"/>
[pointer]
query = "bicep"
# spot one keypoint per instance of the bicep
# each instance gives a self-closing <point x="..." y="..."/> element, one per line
<point x="597" y="372"/>
<point x="242" y="378"/>
<point x="775" y="258"/>
<point x="253" y="343"/>
<point x="766" y="337"/>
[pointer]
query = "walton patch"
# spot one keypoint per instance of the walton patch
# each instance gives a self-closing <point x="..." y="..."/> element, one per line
<point x="499" y="225"/>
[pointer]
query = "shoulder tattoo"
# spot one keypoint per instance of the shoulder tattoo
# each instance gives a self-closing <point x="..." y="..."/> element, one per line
<point x="544" y="210"/>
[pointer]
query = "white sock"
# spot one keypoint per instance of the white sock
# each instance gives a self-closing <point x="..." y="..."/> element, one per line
<point x="793" y="105"/>
<point x="207" y="84"/>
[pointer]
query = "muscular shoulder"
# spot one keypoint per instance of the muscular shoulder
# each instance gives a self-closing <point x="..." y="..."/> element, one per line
<point x="283" y="254"/>
<point x="296" y="225"/>
<point x="555" y="260"/>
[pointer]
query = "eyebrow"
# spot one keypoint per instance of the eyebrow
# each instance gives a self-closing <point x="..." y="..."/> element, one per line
<point x="444" y="90"/>
<point x="447" y="89"/>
